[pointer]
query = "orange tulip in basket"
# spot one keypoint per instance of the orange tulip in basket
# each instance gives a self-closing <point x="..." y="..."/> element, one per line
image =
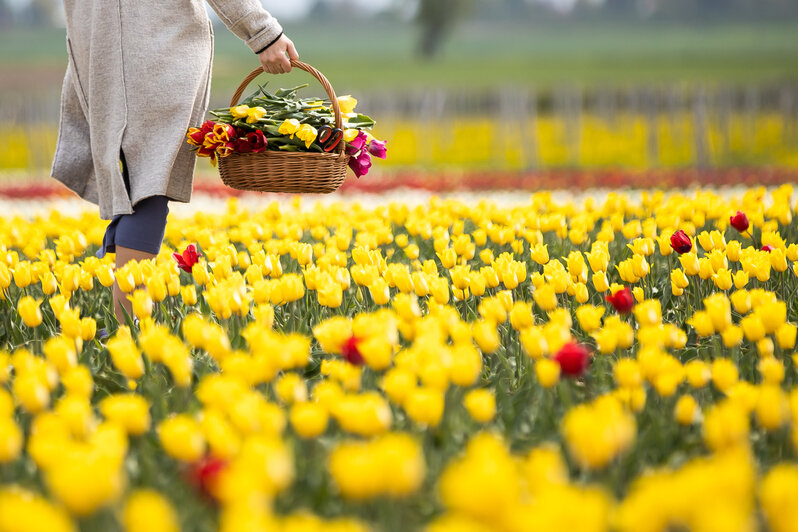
<point x="277" y="142"/>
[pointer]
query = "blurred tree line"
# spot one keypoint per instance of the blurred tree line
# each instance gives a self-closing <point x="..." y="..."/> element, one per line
<point x="436" y="19"/>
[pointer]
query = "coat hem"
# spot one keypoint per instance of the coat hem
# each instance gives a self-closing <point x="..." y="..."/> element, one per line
<point x="117" y="170"/>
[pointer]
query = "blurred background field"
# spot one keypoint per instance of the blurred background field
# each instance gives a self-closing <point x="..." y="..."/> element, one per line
<point x="510" y="85"/>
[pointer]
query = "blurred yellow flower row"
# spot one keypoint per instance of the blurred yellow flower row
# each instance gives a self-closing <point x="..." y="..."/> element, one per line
<point x="630" y="140"/>
<point x="621" y="364"/>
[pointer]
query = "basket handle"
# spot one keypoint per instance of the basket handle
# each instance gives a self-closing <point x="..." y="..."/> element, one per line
<point x="316" y="74"/>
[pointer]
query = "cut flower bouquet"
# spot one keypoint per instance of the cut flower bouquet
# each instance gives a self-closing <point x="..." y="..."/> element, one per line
<point x="283" y="121"/>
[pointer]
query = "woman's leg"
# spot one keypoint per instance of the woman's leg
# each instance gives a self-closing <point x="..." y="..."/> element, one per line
<point x="138" y="236"/>
<point x="123" y="256"/>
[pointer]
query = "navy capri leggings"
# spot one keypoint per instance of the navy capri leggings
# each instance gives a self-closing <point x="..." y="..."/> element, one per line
<point x="143" y="230"/>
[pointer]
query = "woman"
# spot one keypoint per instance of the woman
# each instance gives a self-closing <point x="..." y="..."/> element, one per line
<point x="138" y="76"/>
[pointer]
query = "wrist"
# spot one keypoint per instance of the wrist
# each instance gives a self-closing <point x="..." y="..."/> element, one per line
<point x="271" y="43"/>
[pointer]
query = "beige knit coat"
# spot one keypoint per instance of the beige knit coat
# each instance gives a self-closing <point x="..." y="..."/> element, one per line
<point x="138" y="77"/>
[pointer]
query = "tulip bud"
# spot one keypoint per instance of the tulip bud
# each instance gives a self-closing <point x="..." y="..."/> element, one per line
<point x="144" y="507"/>
<point x="309" y="420"/>
<point x="686" y="410"/>
<point x="547" y="372"/>
<point x="481" y="405"/>
<point x="182" y="438"/>
<point x="778" y="261"/>
<point x="573" y="359"/>
<point x="739" y="221"/>
<point x="29" y="311"/>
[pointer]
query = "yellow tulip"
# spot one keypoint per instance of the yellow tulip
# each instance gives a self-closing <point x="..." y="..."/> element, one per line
<point x="309" y="420"/>
<point x="425" y="406"/>
<point x="724" y="374"/>
<point x="29" y="311"/>
<point x="719" y="309"/>
<point x="330" y="294"/>
<point x="129" y="411"/>
<point x="773" y="315"/>
<point x="290" y="388"/>
<point x="689" y="263"/>
<point x="771" y="369"/>
<point x="753" y="327"/>
<point x="785" y="335"/>
<point x="125" y="280"/>
<point x="347" y="105"/>
<point x="627" y="373"/>
<point x="307" y="134"/>
<point x="60" y="351"/>
<point x="589" y="317"/>
<point x="125" y="355"/>
<point x="481" y="405"/>
<point x="22" y="274"/>
<point x="181" y="438"/>
<point x="188" y="294"/>
<point x="772" y="409"/>
<point x="732" y="336"/>
<point x="149" y="511"/>
<point x="239" y="111"/>
<point x="289" y="127"/>
<point x="580" y="293"/>
<point x="49" y="284"/>
<point x="486" y="336"/>
<point x="723" y="279"/>
<point x="600" y="282"/>
<point x="547" y="372"/>
<point x="698" y="373"/>
<point x="545" y="297"/>
<point x="255" y="114"/>
<point x="379" y="291"/>
<point x="540" y="253"/>
<point x="142" y="303"/>
<point x="686" y="410"/>
<point x="5" y="276"/>
<point x="439" y="288"/>
<point x="778" y="261"/>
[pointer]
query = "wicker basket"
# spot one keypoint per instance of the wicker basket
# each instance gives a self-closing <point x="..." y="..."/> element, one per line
<point x="279" y="171"/>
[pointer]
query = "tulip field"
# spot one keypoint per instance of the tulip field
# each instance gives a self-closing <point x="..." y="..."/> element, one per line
<point x="616" y="363"/>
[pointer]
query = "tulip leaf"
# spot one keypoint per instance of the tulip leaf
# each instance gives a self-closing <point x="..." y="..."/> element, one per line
<point x="360" y="122"/>
<point x="290" y="93"/>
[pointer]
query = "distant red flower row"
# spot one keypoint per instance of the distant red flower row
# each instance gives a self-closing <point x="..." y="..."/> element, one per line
<point x="479" y="181"/>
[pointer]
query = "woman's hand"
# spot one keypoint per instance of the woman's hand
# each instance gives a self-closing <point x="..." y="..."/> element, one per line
<point x="274" y="59"/>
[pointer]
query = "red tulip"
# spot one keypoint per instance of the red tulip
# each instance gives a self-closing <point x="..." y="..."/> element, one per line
<point x="257" y="141"/>
<point x="356" y="144"/>
<point x="739" y="221"/>
<point x="225" y="148"/>
<point x="377" y="148"/>
<point x="680" y="242"/>
<point x="622" y="300"/>
<point x="223" y="132"/>
<point x="197" y="136"/>
<point x="360" y="165"/>
<point x="204" y="474"/>
<point x="188" y="259"/>
<point x="768" y="248"/>
<point x="573" y="359"/>
<point x="242" y="145"/>
<point x="351" y="353"/>
<point x="207" y="126"/>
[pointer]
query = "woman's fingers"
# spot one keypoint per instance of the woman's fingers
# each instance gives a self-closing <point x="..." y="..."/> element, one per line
<point x="274" y="59"/>
<point x="292" y="53"/>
